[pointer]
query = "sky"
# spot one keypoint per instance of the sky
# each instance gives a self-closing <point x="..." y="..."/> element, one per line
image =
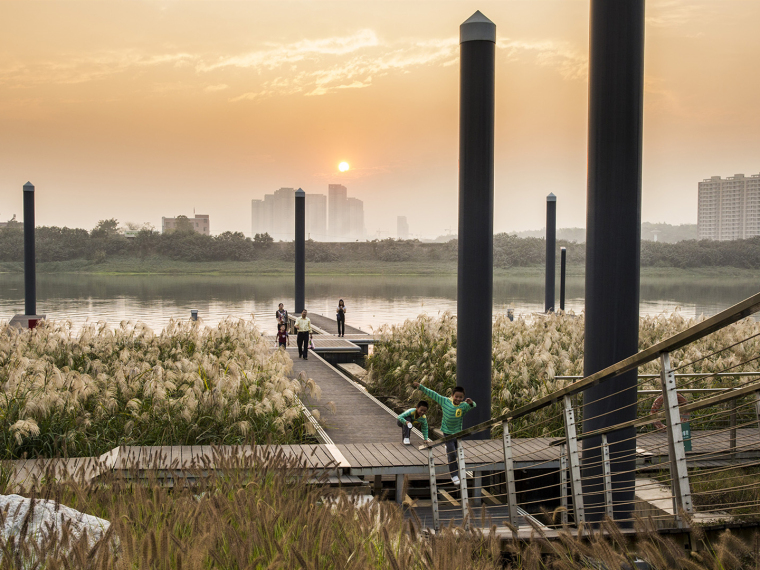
<point x="140" y="109"/>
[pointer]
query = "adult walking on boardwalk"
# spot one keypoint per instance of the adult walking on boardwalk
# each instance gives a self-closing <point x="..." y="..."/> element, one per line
<point x="341" y="316"/>
<point x="282" y="317"/>
<point x="303" y="326"/>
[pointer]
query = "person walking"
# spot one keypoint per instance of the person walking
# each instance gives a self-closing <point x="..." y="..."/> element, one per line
<point x="303" y="326"/>
<point x="283" y="339"/>
<point x="282" y="317"/>
<point x="454" y="409"/>
<point x="341" y="316"/>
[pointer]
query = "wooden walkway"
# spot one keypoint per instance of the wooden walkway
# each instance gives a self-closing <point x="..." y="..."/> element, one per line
<point x="347" y="412"/>
<point x="330" y="325"/>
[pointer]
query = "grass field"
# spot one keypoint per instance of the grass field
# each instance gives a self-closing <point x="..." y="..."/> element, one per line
<point x="159" y="266"/>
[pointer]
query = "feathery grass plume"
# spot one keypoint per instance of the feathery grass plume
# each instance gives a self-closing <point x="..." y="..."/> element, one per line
<point x="84" y="394"/>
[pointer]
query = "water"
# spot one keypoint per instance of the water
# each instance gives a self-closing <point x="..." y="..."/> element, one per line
<point x="371" y="300"/>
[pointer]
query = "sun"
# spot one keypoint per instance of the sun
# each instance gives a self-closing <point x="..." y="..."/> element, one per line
<point x="343" y="166"/>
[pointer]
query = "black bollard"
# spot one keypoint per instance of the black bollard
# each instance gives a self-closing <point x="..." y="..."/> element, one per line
<point x="300" y="250"/>
<point x="30" y="269"/>
<point x="551" y="256"/>
<point x="475" y="268"/>
<point x="562" y="265"/>
<point x="613" y="235"/>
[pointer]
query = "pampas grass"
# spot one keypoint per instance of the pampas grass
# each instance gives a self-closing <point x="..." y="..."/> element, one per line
<point x="529" y="354"/>
<point x="82" y="394"/>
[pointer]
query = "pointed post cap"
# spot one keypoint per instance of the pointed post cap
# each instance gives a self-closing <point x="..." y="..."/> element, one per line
<point x="300" y="193"/>
<point x="28" y="187"/>
<point x="551" y="197"/>
<point x="477" y="28"/>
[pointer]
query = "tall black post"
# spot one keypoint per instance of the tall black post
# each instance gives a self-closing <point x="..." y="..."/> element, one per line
<point x="300" y="251"/>
<point x="475" y="270"/>
<point x="30" y="269"/>
<point x="562" y="267"/>
<point x="613" y="235"/>
<point x="551" y="256"/>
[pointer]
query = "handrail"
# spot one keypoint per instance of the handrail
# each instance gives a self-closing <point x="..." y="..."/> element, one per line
<point x="716" y="322"/>
<point x="730" y="394"/>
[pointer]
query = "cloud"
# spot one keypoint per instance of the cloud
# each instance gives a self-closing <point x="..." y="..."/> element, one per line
<point x="673" y="13"/>
<point x="569" y="62"/>
<point x="219" y="87"/>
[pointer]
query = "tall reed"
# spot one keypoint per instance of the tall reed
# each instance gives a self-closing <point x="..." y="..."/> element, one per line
<point x="83" y="393"/>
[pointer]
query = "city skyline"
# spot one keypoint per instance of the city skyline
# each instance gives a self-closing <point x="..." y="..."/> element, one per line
<point x="149" y="111"/>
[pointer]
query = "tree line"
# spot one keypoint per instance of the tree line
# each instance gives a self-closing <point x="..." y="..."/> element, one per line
<point x="105" y="241"/>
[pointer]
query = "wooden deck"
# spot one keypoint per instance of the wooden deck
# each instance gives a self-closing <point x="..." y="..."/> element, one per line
<point x="322" y="344"/>
<point x="358" y="417"/>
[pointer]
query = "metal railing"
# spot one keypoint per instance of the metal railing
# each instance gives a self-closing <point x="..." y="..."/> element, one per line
<point x="557" y="462"/>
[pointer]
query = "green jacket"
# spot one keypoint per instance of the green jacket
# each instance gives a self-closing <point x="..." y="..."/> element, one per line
<point x="421" y="422"/>
<point x="452" y="415"/>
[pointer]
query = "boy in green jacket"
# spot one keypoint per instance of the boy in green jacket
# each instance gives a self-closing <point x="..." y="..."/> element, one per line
<point x="411" y="418"/>
<point x="454" y="409"/>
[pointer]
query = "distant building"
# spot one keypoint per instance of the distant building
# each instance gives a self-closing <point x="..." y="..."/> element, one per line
<point x="355" y="219"/>
<point x="200" y="224"/>
<point x="316" y="217"/>
<point x="402" y="227"/>
<point x="729" y="208"/>
<point x="337" y="196"/>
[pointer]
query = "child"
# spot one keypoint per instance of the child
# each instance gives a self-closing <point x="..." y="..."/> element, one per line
<point x="283" y="339"/>
<point x="454" y="409"/>
<point x="413" y="417"/>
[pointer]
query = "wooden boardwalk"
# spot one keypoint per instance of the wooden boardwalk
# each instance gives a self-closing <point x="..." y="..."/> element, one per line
<point x="347" y="412"/>
<point x="330" y="325"/>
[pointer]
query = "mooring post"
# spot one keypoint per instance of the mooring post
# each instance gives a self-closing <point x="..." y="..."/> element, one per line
<point x="30" y="269"/>
<point x="475" y="268"/>
<point x="300" y="251"/>
<point x="551" y="246"/>
<point x="613" y="235"/>
<point x="562" y="267"/>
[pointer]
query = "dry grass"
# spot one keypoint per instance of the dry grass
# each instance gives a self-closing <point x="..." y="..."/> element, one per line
<point x="529" y="354"/>
<point x="81" y="394"/>
<point x="262" y="512"/>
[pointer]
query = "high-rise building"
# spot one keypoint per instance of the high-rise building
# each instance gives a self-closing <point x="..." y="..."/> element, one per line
<point x="355" y="218"/>
<point x="316" y="217"/>
<point x="338" y="225"/>
<point x="402" y="227"/>
<point x="729" y="208"/>
<point x="284" y="214"/>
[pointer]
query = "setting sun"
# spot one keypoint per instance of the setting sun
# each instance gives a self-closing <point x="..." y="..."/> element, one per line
<point x="343" y="166"/>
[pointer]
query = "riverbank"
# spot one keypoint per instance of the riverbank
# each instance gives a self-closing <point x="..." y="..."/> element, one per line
<point x="161" y="266"/>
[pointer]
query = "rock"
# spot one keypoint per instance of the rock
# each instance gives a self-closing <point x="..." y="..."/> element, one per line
<point x="48" y="518"/>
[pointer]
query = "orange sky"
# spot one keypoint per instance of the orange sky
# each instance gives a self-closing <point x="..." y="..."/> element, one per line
<point x="140" y="109"/>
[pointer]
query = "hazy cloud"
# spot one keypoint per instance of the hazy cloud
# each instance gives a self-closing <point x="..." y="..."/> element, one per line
<point x="219" y="87"/>
<point x="673" y="13"/>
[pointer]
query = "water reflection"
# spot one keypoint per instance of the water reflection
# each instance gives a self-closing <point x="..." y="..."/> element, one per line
<point x="371" y="300"/>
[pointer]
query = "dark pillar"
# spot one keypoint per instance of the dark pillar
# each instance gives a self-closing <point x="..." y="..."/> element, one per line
<point x="30" y="269"/>
<point x="475" y="271"/>
<point x="300" y="250"/>
<point x="613" y="234"/>
<point x="551" y="246"/>
<point x="562" y="267"/>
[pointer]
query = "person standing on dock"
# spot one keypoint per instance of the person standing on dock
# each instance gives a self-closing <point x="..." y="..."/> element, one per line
<point x="411" y="418"/>
<point x="282" y="316"/>
<point x="454" y="409"/>
<point x="341" y="316"/>
<point x="303" y="326"/>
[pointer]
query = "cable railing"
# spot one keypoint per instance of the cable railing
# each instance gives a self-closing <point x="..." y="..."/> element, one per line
<point x="678" y="461"/>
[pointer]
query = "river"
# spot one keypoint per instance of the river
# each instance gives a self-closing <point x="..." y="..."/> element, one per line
<point x="371" y="300"/>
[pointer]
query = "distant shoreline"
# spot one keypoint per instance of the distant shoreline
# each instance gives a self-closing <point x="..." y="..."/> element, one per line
<point x="154" y="266"/>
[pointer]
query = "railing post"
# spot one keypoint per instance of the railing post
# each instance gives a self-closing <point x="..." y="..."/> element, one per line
<point x="433" y="489"/>
<point x="757" y="407"/>
<point x="563" y="482"/>
<point x="574" y="460"/>
<point x="732" y="425"/>
<point x="679" y="473"/>
<point x="607" y="471"/>
<point x="509" y="474"/>
<point x="463" y="484"/>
